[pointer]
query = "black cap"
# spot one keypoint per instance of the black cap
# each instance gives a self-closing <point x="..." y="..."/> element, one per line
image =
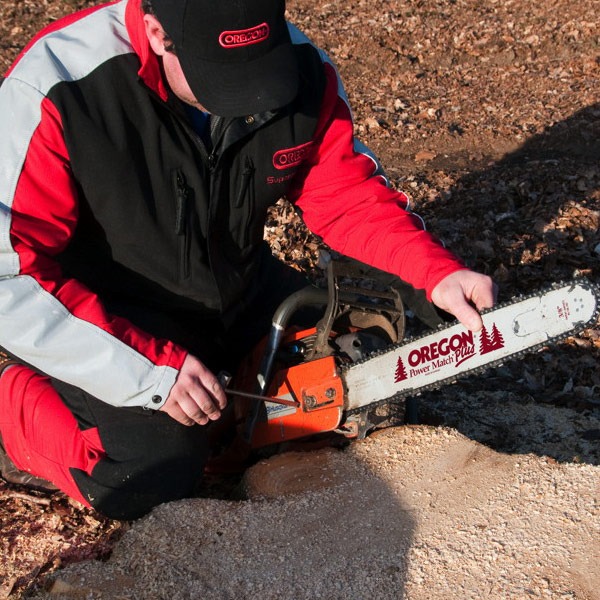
<point x="236" y="55"/>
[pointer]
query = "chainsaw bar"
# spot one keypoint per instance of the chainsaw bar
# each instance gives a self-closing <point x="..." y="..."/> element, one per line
<point x="512" y="329"/>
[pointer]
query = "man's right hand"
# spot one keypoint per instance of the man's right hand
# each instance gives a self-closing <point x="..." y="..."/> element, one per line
<point x="197" y="395"/>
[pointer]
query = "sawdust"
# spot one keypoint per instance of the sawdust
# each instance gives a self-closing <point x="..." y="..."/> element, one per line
<point x="414" y="513"/>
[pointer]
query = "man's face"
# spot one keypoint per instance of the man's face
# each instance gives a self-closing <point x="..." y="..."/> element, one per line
<point x="171" y="65"/>
<point x="177" y="81"/>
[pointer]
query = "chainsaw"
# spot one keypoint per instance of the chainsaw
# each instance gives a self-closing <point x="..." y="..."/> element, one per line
<point x="352" y="372"/>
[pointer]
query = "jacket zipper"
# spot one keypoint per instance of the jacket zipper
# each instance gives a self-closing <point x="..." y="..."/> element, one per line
<point x="246" y="195"/>
<point x="182" y="224"/>
<point x="247" y="174"/>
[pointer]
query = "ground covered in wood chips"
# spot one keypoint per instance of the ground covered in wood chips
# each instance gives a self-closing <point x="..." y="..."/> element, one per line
<point x="487" y="114"/>
<point x="414" y="513"/>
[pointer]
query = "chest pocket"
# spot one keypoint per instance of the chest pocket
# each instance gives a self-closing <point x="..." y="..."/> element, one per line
<point x="245" y="203"/>
<point x="183" y="200"/>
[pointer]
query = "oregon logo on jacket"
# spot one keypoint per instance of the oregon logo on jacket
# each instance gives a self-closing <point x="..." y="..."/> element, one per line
<point x="448" y="351"/>
<point x="291" y="157"/>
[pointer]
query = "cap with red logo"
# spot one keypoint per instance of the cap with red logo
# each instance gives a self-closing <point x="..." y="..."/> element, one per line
<point x="236" y="55"/>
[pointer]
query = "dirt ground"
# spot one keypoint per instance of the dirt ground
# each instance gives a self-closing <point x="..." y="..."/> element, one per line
<point x="487" y="114"/>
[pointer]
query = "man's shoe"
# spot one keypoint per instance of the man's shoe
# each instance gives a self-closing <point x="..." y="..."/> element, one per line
<point x="11" y="474"/>
<point x="5" y="362"/>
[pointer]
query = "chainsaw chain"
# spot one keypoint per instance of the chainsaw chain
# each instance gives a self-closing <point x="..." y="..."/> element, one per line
<point x="483" y="368"/>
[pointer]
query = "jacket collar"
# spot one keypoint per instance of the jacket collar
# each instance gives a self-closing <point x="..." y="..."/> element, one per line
<point x="150" y="72"/>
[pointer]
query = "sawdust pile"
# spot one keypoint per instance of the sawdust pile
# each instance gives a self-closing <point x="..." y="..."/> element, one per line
<point x="415" y="513"/>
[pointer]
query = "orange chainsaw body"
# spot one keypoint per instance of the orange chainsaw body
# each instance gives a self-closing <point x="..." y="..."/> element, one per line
<point x="304" y="366"/>
<point x="315" y="385"/>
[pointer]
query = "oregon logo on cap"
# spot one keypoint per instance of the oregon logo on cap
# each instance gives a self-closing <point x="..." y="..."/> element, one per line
<point x="244" y="37"/>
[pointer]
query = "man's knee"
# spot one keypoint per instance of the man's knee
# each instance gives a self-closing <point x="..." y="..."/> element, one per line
<point x="120" y="461"/>
<point x="128" y="489"/>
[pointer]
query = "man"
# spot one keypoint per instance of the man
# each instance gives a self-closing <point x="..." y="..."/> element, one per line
<point x="140" y="150"/>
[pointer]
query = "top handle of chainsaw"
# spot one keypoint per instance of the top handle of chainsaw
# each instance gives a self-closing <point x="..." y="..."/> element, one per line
<point x="308" y="296"/>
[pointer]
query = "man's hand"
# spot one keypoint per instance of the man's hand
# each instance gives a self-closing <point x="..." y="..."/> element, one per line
<point x="457" y="292"/>
<point x="197" y="395"/>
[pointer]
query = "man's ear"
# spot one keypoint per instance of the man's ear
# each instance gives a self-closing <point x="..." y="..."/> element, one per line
<point x="155" y="33"/>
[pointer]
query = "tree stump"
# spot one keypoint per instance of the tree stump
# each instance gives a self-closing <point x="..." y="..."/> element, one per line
<point x="294" y="473"/>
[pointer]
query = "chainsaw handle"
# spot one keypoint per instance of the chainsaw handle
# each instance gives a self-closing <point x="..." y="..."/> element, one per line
<point x="307" y="296"/>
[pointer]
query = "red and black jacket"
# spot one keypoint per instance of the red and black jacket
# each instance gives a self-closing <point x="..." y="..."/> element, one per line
<point x="107" y="191"/>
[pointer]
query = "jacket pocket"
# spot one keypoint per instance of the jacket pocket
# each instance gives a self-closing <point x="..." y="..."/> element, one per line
<point x="182" y="222"/>
<point x="245" y="201"/>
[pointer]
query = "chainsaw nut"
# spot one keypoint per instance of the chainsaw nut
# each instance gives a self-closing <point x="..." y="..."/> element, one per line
<point x="310" y="402"/>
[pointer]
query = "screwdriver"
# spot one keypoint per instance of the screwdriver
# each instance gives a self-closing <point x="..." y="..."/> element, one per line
<point x="224" y="379"/>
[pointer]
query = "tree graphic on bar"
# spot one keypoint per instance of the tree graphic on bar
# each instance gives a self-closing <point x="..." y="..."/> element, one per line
<point x="497" y="339"/>
<point x="400" y="371"/>
<point x="491" y="342"/>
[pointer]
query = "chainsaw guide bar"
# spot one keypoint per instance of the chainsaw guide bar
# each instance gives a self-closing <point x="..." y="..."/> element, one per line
<point x="522" y="325"/>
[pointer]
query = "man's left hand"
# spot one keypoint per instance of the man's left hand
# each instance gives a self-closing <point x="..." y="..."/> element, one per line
<point x="460" y="291"/>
